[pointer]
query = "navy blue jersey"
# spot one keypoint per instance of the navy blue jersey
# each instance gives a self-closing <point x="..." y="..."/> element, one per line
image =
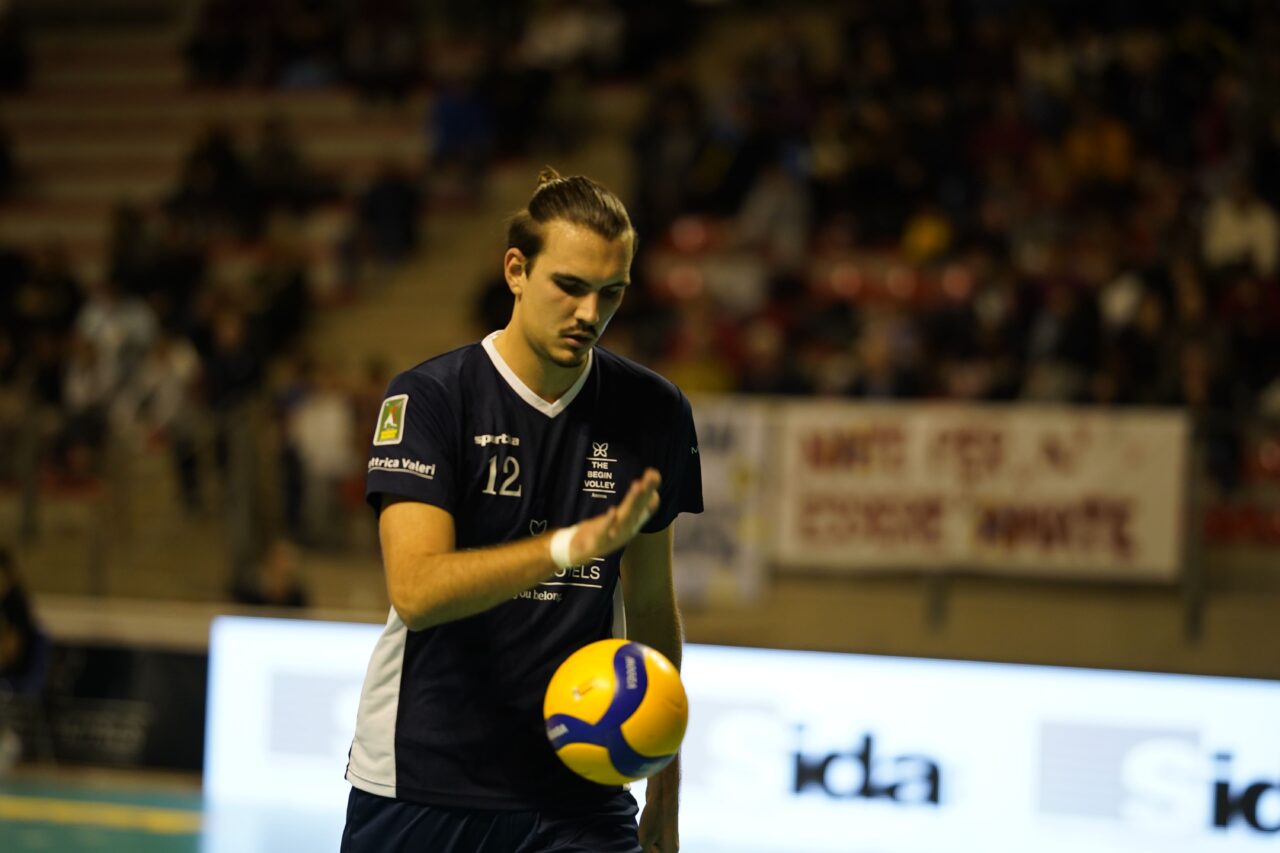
<point x="452" y="715"/>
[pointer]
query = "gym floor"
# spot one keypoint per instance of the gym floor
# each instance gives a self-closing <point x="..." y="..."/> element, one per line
<point x="67" y="810"/>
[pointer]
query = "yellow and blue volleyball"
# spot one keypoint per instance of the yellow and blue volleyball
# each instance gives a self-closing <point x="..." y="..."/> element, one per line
<point x="616" y="711"/>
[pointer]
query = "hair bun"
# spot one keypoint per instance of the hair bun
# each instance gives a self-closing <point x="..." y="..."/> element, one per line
<point x="546" y="176"/>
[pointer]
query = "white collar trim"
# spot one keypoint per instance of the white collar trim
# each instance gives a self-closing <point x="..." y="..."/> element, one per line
<point x="524" y="391"/>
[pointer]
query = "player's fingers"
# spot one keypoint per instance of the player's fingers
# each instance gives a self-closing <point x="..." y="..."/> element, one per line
<point x="640" y="510"/>
<point x="623" y="520"/>
<point x="633" y="498"/>
<point x="648" y="487"/>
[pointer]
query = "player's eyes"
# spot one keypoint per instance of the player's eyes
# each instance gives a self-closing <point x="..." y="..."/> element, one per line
<point x="609" y="293"/>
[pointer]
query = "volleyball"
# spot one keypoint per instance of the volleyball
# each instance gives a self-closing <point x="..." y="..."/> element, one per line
<point x="616" y="711"/>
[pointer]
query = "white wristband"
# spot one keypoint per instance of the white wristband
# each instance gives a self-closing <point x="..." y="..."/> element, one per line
<point x="560" y="542"/>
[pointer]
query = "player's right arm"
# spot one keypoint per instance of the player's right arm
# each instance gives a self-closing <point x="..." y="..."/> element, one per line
<point x="430" y="582"/>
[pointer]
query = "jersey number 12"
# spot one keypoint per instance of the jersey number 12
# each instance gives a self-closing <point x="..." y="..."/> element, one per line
<point x="511" y="468"/>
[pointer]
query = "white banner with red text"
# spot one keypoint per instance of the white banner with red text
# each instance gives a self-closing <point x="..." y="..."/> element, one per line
<point x="1061" y="491"/>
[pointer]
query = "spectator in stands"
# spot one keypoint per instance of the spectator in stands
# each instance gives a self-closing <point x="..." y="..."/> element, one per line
<point x="655" y="33"/>
<point x="166" y="398"/>
<point x="278" y="582"/>
<point x="322" y="428"/>
<point x="389" y="215"/>
<point x="294" y="386"/>
<point x="24" y="656"/>
<point x="1062" y="345"/>
<point x="1240" y="228"/>
<point x="492" y="307"/>
<point x="1142" y="356"/>
<point x="281" y="177"/>
<point x="461" y="139"/>
<point x="560" y="36"/>
<point x="43" y="367"/>
<point x="950" y="335"/>
<point x="667" y="148"/>
<point x="50" y="297"/>
<point x="1251" y="310"/>
<point x="1192" y="313"/>
<point x="927" y="235"/>
<point x="228" y="39"/>
<point x="231" y="354"/>
<point x="510" y="99"/>
<point x="370" y="389"/>
<point x="281" y="290"/>
<point x="766" y="367"/>
<point x="886" y="363"/>
<point x="775" y="218"/>
<point x="119" y="328"/>
<point x="216" y="193"/>
<point x="1098" y="152"/>
<point x="305" y="44"/>
<point x="128" y="247"/>
<point x="18" y="630"/>
<point x="113" y="333"/>
<point x="697" y="355"/>
<point x="381" y="50"/>
<point x="88" y="390"/>
<point x="1003" y="134"/>
<point x="175" y="274"/>
<point x="234" y="369"/>
<point x="39" y="302"/>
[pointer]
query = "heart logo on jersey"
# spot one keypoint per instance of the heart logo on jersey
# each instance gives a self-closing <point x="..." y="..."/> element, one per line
<point x="536" y="527"/>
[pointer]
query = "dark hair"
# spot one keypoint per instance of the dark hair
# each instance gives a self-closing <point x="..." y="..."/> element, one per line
<point x="577" y="200"/>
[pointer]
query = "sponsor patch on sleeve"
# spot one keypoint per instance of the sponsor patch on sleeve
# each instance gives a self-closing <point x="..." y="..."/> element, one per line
<point x="390" y="428"/>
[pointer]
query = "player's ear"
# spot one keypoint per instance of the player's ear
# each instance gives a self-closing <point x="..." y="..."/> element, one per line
<point x="515" y="269"/>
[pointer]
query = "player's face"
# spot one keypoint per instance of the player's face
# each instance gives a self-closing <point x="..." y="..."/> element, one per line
<point x="576" y="284"/>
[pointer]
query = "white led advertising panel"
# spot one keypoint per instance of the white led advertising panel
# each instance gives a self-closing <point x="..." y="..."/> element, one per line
<point x="806" y="752"/>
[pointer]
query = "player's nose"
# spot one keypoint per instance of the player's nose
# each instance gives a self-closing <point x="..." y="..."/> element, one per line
<point x="588" y="310"/>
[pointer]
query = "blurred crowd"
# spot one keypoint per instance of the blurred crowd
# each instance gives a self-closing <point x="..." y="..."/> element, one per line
<point x="963" y="199"/>
<point x="973" y="200"/>
<point x="190" y="340"/>
<point x="506" y="78"/>
<point x="159" y="325"/>
<point x="371" y="45"/>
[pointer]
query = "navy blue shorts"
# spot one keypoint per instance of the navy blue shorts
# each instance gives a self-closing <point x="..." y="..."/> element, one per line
<point x="382" y="825"/>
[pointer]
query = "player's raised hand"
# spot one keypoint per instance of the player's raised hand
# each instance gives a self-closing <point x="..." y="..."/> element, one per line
<point x="609" y="531"/>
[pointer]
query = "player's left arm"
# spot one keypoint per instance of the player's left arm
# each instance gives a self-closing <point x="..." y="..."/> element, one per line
<point x="648" y="591"/>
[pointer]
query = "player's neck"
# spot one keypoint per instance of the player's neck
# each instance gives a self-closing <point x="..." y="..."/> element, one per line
<point x="548" y="380"/>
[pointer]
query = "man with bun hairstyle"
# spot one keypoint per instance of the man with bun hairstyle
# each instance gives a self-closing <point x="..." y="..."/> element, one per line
<point x="526" y="487"/>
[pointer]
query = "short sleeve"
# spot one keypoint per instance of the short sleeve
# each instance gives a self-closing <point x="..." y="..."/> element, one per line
<point x="681" y="489"/>
<point x="412" y="452"/>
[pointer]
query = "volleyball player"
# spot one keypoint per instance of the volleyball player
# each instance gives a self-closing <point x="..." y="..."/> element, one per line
<point x="526" y="488"/>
